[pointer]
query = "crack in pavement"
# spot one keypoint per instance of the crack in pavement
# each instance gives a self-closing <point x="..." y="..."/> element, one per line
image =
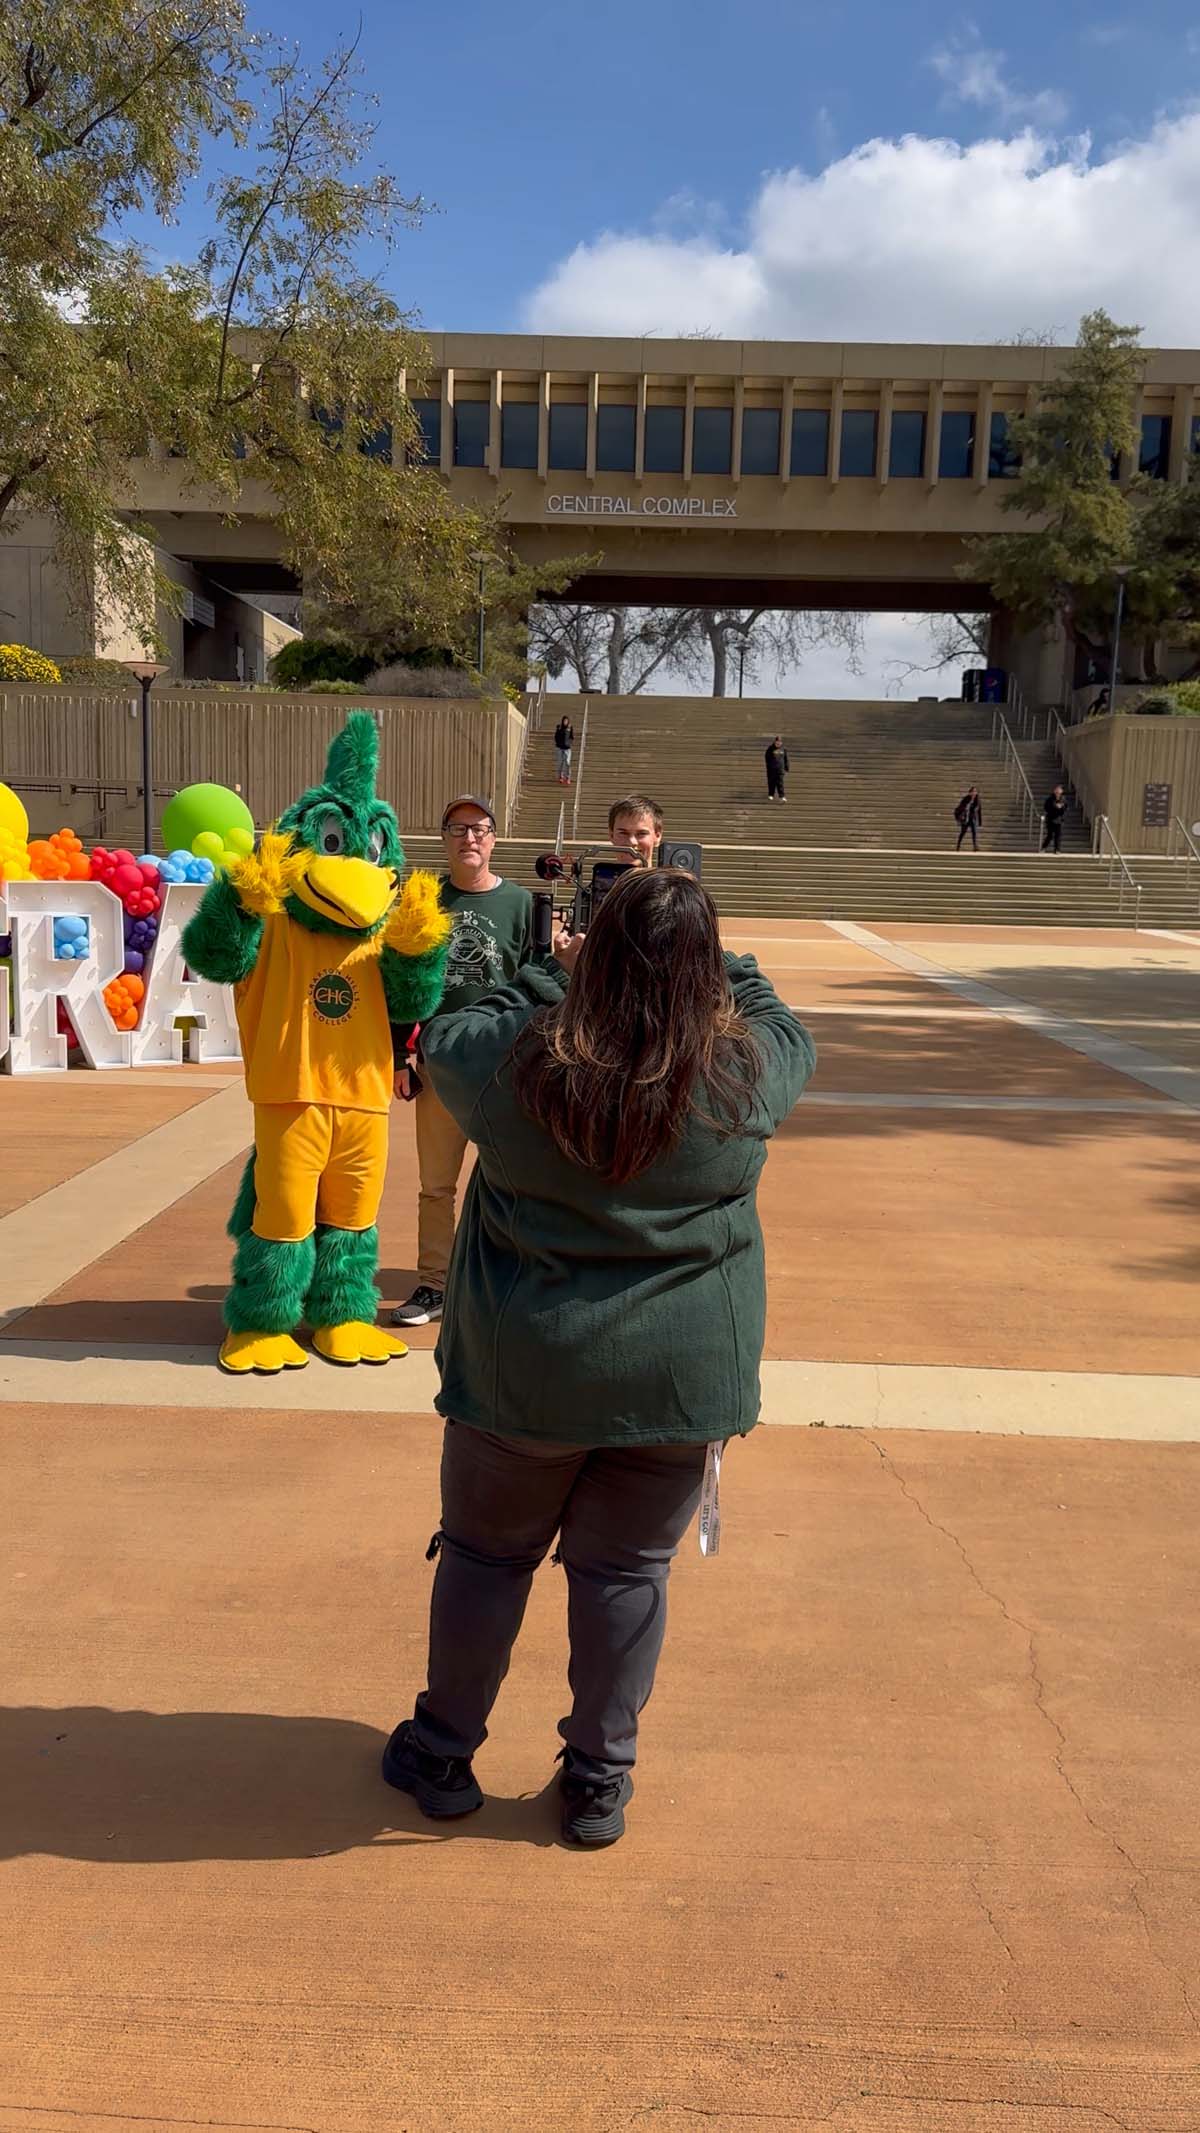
<point x="1140" y="1874"/>
<point x="156" y="2118"/>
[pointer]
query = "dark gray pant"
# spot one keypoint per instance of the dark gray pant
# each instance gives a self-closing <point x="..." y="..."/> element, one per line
<point x="622" y="1514"/>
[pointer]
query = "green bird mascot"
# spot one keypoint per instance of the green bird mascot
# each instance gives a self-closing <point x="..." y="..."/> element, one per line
<point x="324" y="951"/>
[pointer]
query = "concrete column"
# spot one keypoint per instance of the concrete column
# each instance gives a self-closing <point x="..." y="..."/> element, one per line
<point x="883" y="442"/>
<point x="1041" y="659"/>
<point x="689" y="428"/>
<point x="543" y="466"/>
<point x="1181" y="431"/>
<point x="933" y="432"/>
<point x="739" y="405"/>
<point x="836" y="401"/>
<point x="639" y="432"/>
<point x="497" y="403"/>
<point x="785" y="430"/>
<point x="592" y="407"/>
<point x="983" y="436"/>
<point x="447" y="459"/>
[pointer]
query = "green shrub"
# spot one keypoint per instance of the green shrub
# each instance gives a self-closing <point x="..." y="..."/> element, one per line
<point x="334" y="688"/>
<point x="1185" y="698"/>
<point x="401" y="678"/>
<point x="307" y="661"/>
<point x="89" y="673"/>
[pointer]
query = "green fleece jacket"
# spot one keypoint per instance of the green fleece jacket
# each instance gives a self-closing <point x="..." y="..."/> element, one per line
<point x="596" y="1314"/>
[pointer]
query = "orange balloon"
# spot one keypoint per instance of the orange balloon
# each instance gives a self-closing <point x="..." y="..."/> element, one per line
<point x="79" y="867"/>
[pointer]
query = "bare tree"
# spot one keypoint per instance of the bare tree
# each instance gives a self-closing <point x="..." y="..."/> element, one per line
<point x="952" y="639"/>
<point x="614" y="650"/>
<point x="762" y="641"/>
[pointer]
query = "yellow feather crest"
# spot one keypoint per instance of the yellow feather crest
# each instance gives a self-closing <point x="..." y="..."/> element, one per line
<point x="265" y="877"/>
<point x="418" y="922"/>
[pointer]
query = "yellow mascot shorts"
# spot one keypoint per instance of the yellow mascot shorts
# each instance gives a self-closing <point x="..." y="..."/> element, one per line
<point x="316" y="1163"/>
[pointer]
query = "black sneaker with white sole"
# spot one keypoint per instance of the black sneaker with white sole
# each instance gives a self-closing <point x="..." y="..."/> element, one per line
<point x="593" y="1809"/>
<point x="442" y="1786"/>
<point x="423" y="1306"/>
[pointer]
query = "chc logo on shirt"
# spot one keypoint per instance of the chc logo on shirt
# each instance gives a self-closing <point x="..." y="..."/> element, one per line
<point x="332" y="996"/>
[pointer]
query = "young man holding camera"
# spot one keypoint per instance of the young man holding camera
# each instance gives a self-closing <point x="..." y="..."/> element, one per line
<point x="492" y="937"/>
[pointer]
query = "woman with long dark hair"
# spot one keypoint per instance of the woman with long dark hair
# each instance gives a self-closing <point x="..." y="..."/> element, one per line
<point x="604" y="1315"/>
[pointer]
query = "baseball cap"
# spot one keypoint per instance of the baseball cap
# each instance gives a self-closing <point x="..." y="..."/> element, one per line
<point x="468" y="799"/>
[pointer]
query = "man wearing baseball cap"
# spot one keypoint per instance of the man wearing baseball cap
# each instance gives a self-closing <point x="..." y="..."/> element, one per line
<point x="492" y="937"/>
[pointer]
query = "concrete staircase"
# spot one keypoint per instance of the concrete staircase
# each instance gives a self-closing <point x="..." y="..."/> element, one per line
<point x="868" y="830"/>
<point x="865" y="776"/>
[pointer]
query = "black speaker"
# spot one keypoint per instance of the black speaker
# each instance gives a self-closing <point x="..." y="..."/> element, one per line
<point x="688" y="857"/>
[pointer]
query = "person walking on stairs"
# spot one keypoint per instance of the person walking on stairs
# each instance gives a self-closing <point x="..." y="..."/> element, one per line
<point x="969" y="816"/>
<point x="1053" y="809"/>
<point x="777" y="764"/>
<point x="564" y="741"/>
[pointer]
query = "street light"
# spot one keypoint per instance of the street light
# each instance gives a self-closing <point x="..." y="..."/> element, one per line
<point x="1120" y="574"/>
<point x="146" y="671"/>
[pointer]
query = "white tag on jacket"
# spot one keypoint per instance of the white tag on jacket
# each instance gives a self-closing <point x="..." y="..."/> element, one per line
<point x="710" y="1500"/>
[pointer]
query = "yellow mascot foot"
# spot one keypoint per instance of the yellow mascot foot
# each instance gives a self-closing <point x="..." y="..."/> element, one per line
<point x="265" y="1352"/>
<point x="356" y="1342"/>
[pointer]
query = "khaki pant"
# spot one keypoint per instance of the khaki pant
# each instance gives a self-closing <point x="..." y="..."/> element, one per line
<point x="441" y="1146"/>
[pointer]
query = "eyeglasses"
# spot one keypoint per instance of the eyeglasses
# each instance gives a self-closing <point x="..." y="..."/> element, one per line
<point x="479" y="830"/>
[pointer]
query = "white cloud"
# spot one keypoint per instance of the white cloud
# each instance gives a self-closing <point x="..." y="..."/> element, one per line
<point x="917" y="239"/>
<point x="973" y="75"/>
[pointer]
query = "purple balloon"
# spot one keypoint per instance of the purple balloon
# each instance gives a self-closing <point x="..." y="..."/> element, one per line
<point x="134" y="960"/>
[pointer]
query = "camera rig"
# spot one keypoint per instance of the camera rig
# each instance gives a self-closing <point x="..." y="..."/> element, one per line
<point x="576" y="910"/>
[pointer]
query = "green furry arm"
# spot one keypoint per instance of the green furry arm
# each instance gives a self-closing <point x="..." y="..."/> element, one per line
<point x="412" y="984"/>
<point x="221" y="941"/>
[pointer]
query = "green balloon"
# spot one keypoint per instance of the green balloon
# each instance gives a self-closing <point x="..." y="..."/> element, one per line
<point x="209" y="845"/>
<point x="203" y="807"/>
<point x="240" y="841"/>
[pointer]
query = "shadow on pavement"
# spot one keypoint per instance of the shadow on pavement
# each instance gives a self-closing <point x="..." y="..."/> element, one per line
<point x="157" y="1787"/>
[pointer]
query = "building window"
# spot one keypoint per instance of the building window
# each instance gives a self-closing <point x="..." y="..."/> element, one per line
<point x="616" y="439"/>
<point x="664" y="440"/>
<point x="760" y="440"/>
<point x="957" y="446"/>
<point x="1004" y="460"/>
<point x="906" y="453"/>
<point x="1196" y="433"/>
<point x="712" y="440"/>
<point x="568" y="438"/>
<point x="859" y="429"/>
<point x="810" y="440"/>
<point x="519" y="433"/>
<point x="1155" y="455"/>
<point x="330" y="420"/>
<point x="376" y="443"/>
<point x="472" y="432"/>
<point x="429" y="422"/>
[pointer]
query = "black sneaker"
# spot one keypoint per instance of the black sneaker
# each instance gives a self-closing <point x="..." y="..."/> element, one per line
<point x="423" y="1306"/>
<point x="593" y="1809"/>
<point x="442" y="1786"/>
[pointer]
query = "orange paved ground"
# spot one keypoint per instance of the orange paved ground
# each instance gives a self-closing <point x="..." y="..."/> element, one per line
<point x="913" y="1848"/>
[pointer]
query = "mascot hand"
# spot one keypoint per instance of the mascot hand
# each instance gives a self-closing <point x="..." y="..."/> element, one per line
<point x="418" y="922"/>
<point x="265" y="877"/>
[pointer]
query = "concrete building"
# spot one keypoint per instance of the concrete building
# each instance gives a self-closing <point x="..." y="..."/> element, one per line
<point x="817" y="474"/>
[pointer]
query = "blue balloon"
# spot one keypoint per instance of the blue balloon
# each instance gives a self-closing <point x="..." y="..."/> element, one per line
<point x="147" y="859"/>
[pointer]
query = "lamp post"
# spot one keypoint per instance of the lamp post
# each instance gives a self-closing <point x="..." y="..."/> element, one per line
<point x="741" y="663"/>
<point x="146" y="671"/>
<point x="1120" y="574"/>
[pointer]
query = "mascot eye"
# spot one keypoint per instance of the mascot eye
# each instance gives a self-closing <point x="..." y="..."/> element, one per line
<point x="375" y="846"/>
<point x="331" y="837"/>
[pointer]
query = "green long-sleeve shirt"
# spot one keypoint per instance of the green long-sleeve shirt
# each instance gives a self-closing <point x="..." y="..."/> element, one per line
<point x="594" y="1313"/>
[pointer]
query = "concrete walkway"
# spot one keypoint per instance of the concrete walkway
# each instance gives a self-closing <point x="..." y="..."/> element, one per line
<point x="913" y="1848"/>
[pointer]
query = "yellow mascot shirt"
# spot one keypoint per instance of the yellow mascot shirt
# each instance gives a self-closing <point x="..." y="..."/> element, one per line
<point x="313" y="1020"/>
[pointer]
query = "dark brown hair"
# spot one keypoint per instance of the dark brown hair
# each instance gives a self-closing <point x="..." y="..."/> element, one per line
<point x="646" y="1036"/>
<point x="636" y="803"/>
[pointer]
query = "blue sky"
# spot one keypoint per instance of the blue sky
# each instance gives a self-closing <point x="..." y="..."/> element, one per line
<point x="539" y="129"/>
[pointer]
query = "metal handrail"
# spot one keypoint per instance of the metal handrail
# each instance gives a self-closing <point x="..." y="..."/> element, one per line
<point x="1178" y="824"/>
<point x="583" y="733"/>
<point x="1116" y="858"/>
<point x="1017" y="779"/>
<point x="562" y="824"/>
<point x="539" y="704"/>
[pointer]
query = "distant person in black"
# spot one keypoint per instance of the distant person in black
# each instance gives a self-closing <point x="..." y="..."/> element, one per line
<point x="777" y="763"/>
<point x="1053" y="810"/>
<point x="969" y="816"/>
<point x="564" y="741"/>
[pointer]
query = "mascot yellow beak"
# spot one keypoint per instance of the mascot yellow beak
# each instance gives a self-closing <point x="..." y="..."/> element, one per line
<point x="353" y="892"/>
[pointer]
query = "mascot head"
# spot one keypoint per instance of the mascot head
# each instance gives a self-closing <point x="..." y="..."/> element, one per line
<point x="347" y="838"/>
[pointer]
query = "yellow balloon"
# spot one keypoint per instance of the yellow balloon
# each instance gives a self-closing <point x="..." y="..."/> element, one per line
<point x="12" y="814"/>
